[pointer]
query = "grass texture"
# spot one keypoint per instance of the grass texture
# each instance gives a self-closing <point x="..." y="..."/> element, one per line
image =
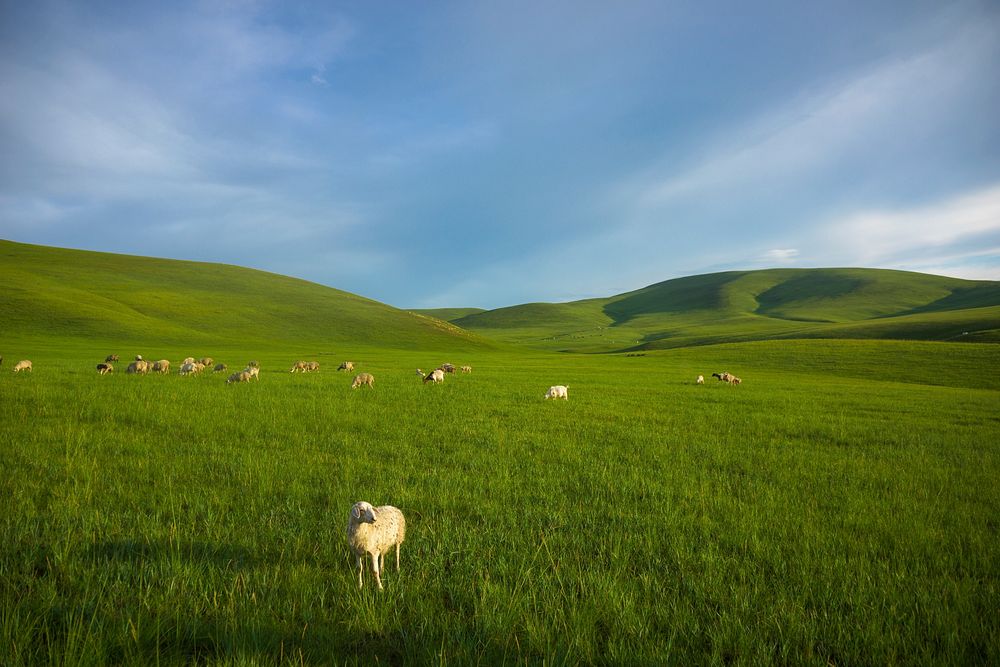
<point x="839" y="507"/>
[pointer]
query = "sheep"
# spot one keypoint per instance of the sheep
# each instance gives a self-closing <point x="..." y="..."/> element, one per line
<point x="104" y="368"/>
<point x="206" y="361"/>
<point x="436" y="375"/>
<point x="253" y="364"/>
<point x="346" y="366"/>
<point x="466" y="369"/>
<point x="23" y="365"/>
<point x="299" y="366"/>
<point x="111" y="358"/>
<point x="363" y="379"/>
<point x="374" y="530"/>
<point x="161" y="366"/>
<point x="220" y="368"/>
<point x="447" y="368"/>
<point x="723" y="377"/>
<point x="192" y="369"/>
<point x="420" y="373"/>
<point x="700" y="379"/>
<point x="558" y="391"/>
<point x="312" y="367"/>
<point x="253" y="370"/>
<point x="239" y="376"/>
<point x="187" y="360"/>
<point x="139" y="366"/>
<point x="733" y="380"/>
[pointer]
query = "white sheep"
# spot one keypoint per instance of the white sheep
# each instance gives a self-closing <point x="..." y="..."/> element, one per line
<point x="299" y="366"/>
<point x="254" y="370"/>
<point x="104" y="368"/>
<point x="111" y="357"/>
<point x="239" y="376"/>
<point x="558" y="391"/>
<point x="206" y="361"/>
<point x="363" y="379"/>
<point x="733" y="380"/>
<point x="139" y="366"/>
<point x="192" y="369"/>
<point x="374" y="530"/>
<point x="346" y="366"/>
<point x="161" y="366"/>
<point x="187" y="360"/>
<point x="436" y="375"/>
<point x="23" y="365"/>
<point x="447" y="368"/>
<point x="700" y="379"/>
<point x="466" y="369"/>
<point x="312" y="367"/>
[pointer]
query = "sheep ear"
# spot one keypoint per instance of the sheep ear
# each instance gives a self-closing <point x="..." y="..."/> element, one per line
<point x="356" y="512"/>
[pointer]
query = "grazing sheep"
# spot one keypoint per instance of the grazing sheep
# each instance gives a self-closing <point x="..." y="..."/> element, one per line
<point x="723" y="377"/>
<point x="187" y="360"/>
<point x="363" y="379"/>
<point x="23" y="365"/>
<point x="254" y="371"/>
<point x="436" y="375"/>
<point x="733" y="380"/>
<point x="104" y="368"/>
<point x="161" y="366"/>
<point x="466" y="369"/>
<point x="111" y="358"/>
<point x="312" y="367"/>
<point x="299" y="366"/>
<point x="220" y="368"/>
<point x="700" y="379"/>
<point x="253" y="364"/>
<point x="139" y="366"/>
<point x="346" y="366"/>
<point x="192" y="369"/>
<point x="374" y="530"/>
<point x="447" y="368"/>
<point x="206" y="361"/>
<point x="558" y="391"/>
<point x="239" y="376"/>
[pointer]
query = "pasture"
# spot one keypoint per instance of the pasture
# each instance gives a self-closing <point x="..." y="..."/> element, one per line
<point x="827" y="511"/>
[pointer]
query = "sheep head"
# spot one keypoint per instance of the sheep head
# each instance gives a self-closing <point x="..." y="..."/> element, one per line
<point x="364" y="513"/>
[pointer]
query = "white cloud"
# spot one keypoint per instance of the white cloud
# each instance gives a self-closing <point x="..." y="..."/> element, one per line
<point x="780" y="255"/>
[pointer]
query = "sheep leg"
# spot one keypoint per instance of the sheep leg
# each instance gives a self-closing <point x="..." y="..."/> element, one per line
<point x="361" y="567"/>
<point x="378" y="576"/>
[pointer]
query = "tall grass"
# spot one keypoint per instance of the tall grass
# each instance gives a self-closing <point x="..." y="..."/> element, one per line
<point x="851" y="520"/>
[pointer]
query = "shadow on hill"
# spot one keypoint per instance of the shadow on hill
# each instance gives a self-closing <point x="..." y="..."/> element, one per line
<point x="979" y="296"/>
<point x="679" y="295"/>
<point x="785" y="296"/>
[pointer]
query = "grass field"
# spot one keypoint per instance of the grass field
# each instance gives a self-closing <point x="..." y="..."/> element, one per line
<point x="839" y="507"/>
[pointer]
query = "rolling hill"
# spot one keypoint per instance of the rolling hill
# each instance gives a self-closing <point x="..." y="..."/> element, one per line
<point x="755" y="305"/>
<point x="60" y="294"/>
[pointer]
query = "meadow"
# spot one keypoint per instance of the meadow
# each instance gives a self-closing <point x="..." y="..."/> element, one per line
<point x="841" y="506"/>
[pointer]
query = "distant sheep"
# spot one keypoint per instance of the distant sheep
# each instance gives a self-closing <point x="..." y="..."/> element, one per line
<point x="206" y="361"/>
<point x="363" y="379"/>
<point x="23" y="365"/>
<point x="447" y="368"/>
<point x="254" y="370"/>
<point x="558" y="391"/>
<point x="700" y="379"/>
<point x="192" y="368"/>
<point x="139" y="367"/>
<point x="466" y="369"/>
<point x="240" y="376"/>
<point x="723" y="377"/>
<point x="111" y="358"/>
<point x="733" y="380"/>
<point x="346" y="366"/>
<point x="161" y="366"/>
<point x="312" y="367"/>
<point x="299" y="366"/>
<point x="104" y="368"/>
<point x="374" y="531"/>
<point x="220" y="368"/>
<point x="436" y="375"/>
<point x="187" y="360"/>
<point x="253" y="364"/>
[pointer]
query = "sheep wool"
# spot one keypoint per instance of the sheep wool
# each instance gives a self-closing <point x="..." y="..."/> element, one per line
<point x="374" y="531"/>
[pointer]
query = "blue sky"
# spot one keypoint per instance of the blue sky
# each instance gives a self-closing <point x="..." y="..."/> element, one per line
<point x="492" y="153"/>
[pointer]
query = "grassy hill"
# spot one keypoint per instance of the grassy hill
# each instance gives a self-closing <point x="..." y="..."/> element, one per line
<point x="756" y="305"/>
<point x="447" y="314"/>
<point x="64" y="295"/>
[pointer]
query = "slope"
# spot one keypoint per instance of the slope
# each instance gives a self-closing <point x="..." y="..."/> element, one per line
<point x="755" y="305"/>
<point x="59" y="294"/>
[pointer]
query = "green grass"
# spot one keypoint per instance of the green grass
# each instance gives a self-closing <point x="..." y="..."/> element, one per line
<point x="756" y="305"/>
<point x="839" y="507"/>
<point x="57" y="294"/>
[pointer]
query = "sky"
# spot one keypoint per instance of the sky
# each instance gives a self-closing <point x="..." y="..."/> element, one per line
<point x="433" y="154"/>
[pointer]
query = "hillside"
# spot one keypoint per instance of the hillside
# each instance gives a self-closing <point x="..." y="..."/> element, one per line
<point x="447" y="314"/>
<point x="61" y="294"/>
<point x="755" y="305"/>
